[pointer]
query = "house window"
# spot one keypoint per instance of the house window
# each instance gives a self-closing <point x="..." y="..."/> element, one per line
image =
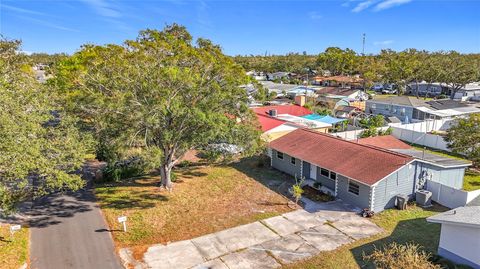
<point x="280" y="155"/>
<point x="292" y="160"/>
<point x="333" y="175"/>
<point x="324" y="172"/>
<point x="353" y="188"/>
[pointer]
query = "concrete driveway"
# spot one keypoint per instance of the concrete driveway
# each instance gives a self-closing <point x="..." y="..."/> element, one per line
<point x="265" y="244"/>
<point x="68" y="231"/>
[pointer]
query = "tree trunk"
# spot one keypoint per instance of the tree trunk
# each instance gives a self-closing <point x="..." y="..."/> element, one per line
<point x="165" y="175"/>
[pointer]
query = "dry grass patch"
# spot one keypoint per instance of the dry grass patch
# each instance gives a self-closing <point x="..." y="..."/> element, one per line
<point x="407" y="226"/>
<point x="13" y="250"/>
<point x="205" y="199"/>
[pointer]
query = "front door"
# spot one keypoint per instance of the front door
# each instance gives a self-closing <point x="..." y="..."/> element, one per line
<point x="313" y="171"/>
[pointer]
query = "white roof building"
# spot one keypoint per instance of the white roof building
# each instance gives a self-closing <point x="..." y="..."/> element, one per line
<point x="460" y="235"/>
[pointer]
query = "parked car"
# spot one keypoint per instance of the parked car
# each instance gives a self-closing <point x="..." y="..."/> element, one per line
<point x="378" y="87"/>
<point x="389" y="89"/>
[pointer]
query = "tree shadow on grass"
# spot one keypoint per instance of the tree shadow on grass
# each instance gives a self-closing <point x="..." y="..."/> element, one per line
<point x="417" y="231"/>
<point x="133" y="200"/>
<point x="259" y="169"/>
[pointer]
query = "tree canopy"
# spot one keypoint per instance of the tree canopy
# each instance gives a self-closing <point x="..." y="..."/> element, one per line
<point x="464" y="137"/>
<point x="39" y="144"/>
<point x="161" y="91"/>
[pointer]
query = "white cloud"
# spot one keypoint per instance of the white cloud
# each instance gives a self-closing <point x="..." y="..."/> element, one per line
<point x="104" y="8"/>
<point x="47" y="24"/>
<point x="383" y="43"/>
<point x="389" y="4"/>
<point x="315" y="15"/>
<point x="363" y="5"/>
<point x="21" y="10"/>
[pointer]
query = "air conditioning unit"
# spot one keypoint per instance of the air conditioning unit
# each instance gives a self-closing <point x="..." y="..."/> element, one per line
<point x="423" y="198"/>
<point x="272" y="112"/>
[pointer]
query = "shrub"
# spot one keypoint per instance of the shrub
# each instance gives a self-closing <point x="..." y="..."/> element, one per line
<point x="372" y="131"/>
<point x="408" y="256"/>
<point x="123" y="169"/>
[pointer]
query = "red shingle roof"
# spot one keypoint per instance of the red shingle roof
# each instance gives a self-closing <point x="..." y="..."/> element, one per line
<point x="286" y="109"/>
<point x="385" y="141"/>
<point x="364" y="163"/>
<point x="267" y="123"/>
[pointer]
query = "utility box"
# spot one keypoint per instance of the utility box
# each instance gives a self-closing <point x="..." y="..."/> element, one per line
<point x="401" y="201"/>
<point x="423" y="198"/>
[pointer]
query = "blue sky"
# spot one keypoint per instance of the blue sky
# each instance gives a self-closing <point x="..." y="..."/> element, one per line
<point x="249" y="27"/>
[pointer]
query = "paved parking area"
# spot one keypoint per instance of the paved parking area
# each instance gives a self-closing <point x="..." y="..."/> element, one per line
<point x="267" y="243"/>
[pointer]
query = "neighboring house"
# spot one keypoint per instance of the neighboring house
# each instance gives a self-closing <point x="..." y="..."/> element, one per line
<point x="426" y="89"/>
<point x="471" y="92"/>
<point x="260" y="76"/>
<point x="279" y="75"/>
<point x="347" y="112"/>
<point x="277" y="121"/>
<point x="408" y="108"/>
<point x="337" y="96"/>
<point x="344" y="81"/>
<point x="279" y="88"/>
<point x="301" y="90"/>
<point x="362" y="175"/>
<point x="460" y="235"/>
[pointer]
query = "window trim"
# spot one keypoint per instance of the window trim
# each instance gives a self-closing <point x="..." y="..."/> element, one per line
<point x="331" y="176"/>
<point x="279" y="155"/>
<point x="324" y="169"/>
<point x="293" y="160"/>
<point x="351" y="182"/>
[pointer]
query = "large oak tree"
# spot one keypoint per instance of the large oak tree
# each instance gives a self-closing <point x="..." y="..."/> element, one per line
<point x="40" y="147"/>
<point x="161" y="91"/>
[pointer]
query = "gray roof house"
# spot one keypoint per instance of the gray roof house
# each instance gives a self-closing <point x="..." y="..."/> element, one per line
<point x="408" y="108"/>
<point x="362" y="175"/>
<point x="460" y="235"/>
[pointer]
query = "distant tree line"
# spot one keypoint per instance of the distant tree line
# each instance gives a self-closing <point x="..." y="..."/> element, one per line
<point x="410" y="65"/>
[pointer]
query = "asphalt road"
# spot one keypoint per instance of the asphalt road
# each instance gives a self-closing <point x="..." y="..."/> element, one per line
<point x="68" y="231"/>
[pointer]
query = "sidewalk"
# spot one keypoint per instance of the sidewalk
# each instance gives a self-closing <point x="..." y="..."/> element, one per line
<point x="267" y="243"/>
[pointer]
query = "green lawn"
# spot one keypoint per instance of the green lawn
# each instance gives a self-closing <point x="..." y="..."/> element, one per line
<point x="471" y="181"/>
<point x="400" y="226"/>
<point x="13" y="250"/>
<point x="205" y="199"/>
<point x="438" y="152"/>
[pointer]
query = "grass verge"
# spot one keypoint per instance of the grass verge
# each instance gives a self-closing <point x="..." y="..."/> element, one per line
<point x="13" y="250"/>
<point x="400" y="226"/>
<point x="205" y="199"/>
<point x="471" y="181"/>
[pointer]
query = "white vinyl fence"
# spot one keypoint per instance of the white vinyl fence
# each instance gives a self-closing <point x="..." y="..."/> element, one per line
<point x="450" y="197"/>
<point x="353" y="135"/>
<point x="417" y="133"/>
<point x="420" y="138"/>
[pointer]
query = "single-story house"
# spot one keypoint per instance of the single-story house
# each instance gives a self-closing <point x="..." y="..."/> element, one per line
<point x="276" y="121"/>
<point x="280" y="89"/>
<point x="408" y="108"/>
<point x="460" y="235"/>
<point x="363" y="175"/>
<point x="337" y="96"/>
<point x="469" y="92"/>
<point x="347" y="112"/>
